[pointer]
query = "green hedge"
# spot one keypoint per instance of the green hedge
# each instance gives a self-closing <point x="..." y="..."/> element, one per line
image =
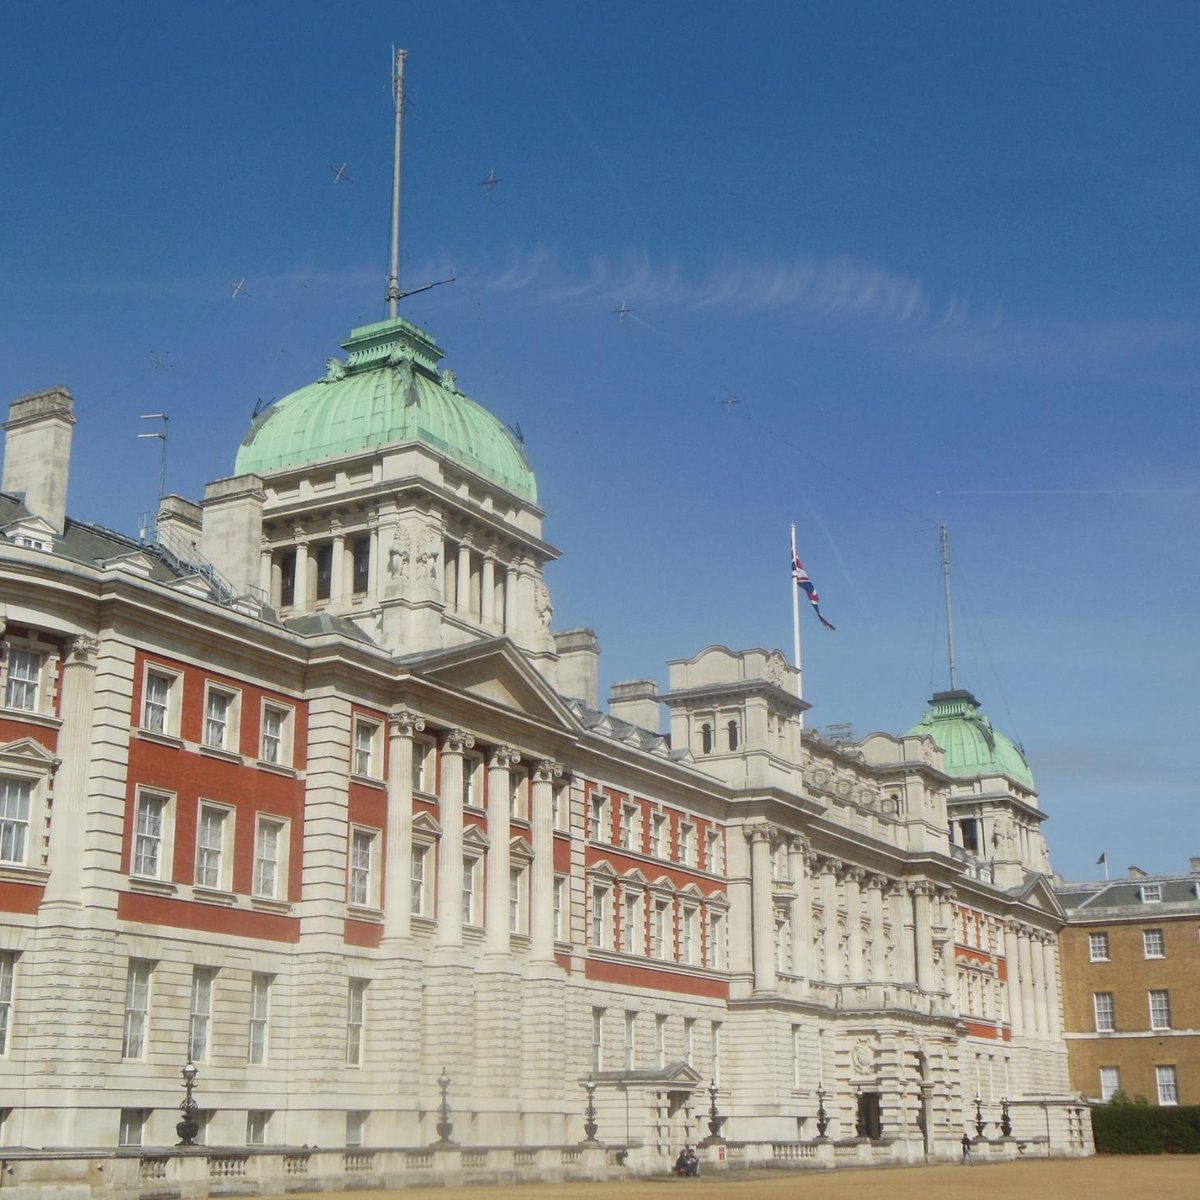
<point x="1136" y="1129"/>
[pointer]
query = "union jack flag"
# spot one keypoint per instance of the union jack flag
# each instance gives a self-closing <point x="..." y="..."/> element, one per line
<point x="800" y="575"/>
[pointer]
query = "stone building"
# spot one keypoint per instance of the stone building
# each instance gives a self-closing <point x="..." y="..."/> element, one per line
<point x="1132" y="985"/>
<point x="310" y="790"/>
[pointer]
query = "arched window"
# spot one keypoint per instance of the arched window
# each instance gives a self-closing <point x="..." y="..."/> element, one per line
<point x="732" y="728"/>
<point x="706" y="738"/>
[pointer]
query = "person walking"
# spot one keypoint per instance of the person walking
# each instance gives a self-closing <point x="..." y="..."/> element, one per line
<point x="968" y="1159"/>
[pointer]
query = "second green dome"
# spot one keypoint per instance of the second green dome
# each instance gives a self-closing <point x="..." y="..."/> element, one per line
<point x="968" y="742"/>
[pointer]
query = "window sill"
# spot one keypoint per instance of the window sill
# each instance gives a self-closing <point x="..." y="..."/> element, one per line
<point x="159" y="738"/>
<point x="276" y="768"/>
<point x="267" y="904"/>
<point x="18" y="873"/>
<point x="31" y="716"/>
<point x="1155" y="957"/>
<point x="210" y="895"/>
<point x="220" y="752"/>
<point x="368" y="781"/>
<point x="365" y="912"/>
<point x="154" y="887"/>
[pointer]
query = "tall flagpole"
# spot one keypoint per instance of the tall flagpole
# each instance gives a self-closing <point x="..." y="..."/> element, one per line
<point x="399" y="57"/>
<point x="945" y="540"/>
<point x="796" y="625"/>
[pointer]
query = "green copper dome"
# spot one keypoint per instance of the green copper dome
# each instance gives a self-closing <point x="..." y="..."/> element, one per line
<point x="969" y="743"/>
<point x="388" y="390"/>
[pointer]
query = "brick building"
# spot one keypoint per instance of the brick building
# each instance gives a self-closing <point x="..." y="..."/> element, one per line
<point x="1131" y="983"/>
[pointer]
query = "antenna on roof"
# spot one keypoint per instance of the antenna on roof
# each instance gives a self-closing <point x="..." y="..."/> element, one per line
<point x="394" y="295"/>
<point x="161" y="434"/>
<point x="945" y="541"/>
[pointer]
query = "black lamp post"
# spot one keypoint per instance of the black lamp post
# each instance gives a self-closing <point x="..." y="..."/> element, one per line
<point x="445" y="1127"/>
<point x="978" y="1114"/>
<point x="589" y="1122"/>
<point x="822" y="1116"/>
<point x="715" y="1120"/>
<point x="1005" y="1118"/>
<point x="189" y="1127"/>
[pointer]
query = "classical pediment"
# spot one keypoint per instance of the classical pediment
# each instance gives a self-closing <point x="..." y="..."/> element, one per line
<point x="497" y="672"/>
<point x="1037" y="893"/>
<point x="28" y="753"/>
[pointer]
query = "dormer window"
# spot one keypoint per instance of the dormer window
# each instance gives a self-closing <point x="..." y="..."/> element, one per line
<point x="1151" y="893"/>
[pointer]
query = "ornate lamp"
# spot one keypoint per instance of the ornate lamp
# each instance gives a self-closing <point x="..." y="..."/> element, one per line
<point x="822" y="1116"/>
<point x="978" y="1114"/>
<point x="589" y="1116"/>
<point x="189" y="1127"/>
<point x="715" y="1120"/>
<point x="445" y="1127"/>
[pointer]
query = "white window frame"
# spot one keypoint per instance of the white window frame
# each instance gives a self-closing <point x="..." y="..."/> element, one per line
<point x="714" y="1044"/>
<point x="23" y="679"/>
<point x="418" y="879"/>
<point x="200" y="1010"/>
<point x="629" y="830"/>
<point x="1098" y="947"/>
<point x="630" y="1040"/>
<point x="1110" y="1082"/>
<point x="18" y="797"/>
<point x="687" y="844"/>
<point x="1166" y="1081"/>
<point x="214" y="843"/>
<point x="689" y="934"/>
<point x="598" y="1039"/>
<point x="472" y="862"/>
<point x="560" y="908"/>
<point x="222" y="722"/>
<point x="135" y="1031"/>
<point x="600" y="816"/>
<point x="365" y="750"/>
<point x="1159" y="1000"/>
<point x="362" y="867"/>
<point x="152" y="846"/>
<point x="356" y="1020"/>
<point x="713" y="858"/>
<point x="1104" y="1011"/>
<point x="8" y="975"/>
<point x="662" y="939"/>
<point x="472" y="793"/>
<point x="259" y="1025"/>
<point x="272" y="840"/>
<point x="356" y="1126"/>
<point x="1154" y="943"/>
<point x="1151" y="893"/>
<point x="518" y="906"/>
<point x="258" y="1121"/>
<point x="658" y="825"/>
<point x="170" y="706"/>
<point x="275" y="746"/>
<point x="633" y="921"/>
<point x="716" y="939"/>
<point x="600" y="917"/>
<point x="660" y="1040"/>
<point x="689" y="1040"/>
<point x="132" y="1127"/>
<point x="518" y="794"/>
<point x="423" y="765"/>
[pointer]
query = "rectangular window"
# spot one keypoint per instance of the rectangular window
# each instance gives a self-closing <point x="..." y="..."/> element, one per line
<point x="1102" y="1003"/>
<point x="634" y="931"/>
<point x="270" y="848"/>
<point x="323" y="561"/>
<point x="356" y="1000"/>
<point x="15" y="796"/>
<point x="658" y="825"/>
<point x="660" y="930"/>
<point x="276" y="736"/>
<point x="715" y="1048"/>
<point x="516" y="900"/>
<point x="600" y="831"/>
<point x="562" y="809"/>
<point x="149" y="841"/>
<point x="1110" y="1082"/>
<point x="287" y="579"/>
<point x="257" y="1121"/>
<point x="472" y="795"/>
<point x="560" y="911"/>
<point x="1151" y="893"/>
<point x="689" y="1040"/>
<point x="597" y="1039"/>
<point x="600" y="918"/>
<point x="220" y="716"/>
<point x="156" y="705"/>
<point x="1098" y="947"/>
<point x="628" y="813"/>
<point x="712" y="852"/>
<point x="1152" y="943"/>
<point x="366" y="737"/>
<point x="24" y="671"/>
<point x="419" y="856"/>
<point x="630" y="1041"/>
<point x="260" y="1017"/>
<point x="690" y="933"/>
<point x="8" y="968"/>
<point x="137" y="1009"/>
<point x="211" y="859"/>
<point x="422" y="779"/>
<point x="518" y="795"/>
<point x="133" y="1122"/>
<point x="1168" y="1085"/>
<point x="797" y="1056"/>
<point x="470" y="914"/>
<point x="356" y="1128"/>
<point x="362" y="880"/>
<point x="660" y="1041"/>
<point x="716" y="941"/>
<point x="687" y="845"/>
<point x="360" y="549"/>
<point x="1160" y="1009"/>
<point x="201" y="1013"/>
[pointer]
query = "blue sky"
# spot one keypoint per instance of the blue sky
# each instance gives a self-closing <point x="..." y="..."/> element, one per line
<point x="943" y="256"/>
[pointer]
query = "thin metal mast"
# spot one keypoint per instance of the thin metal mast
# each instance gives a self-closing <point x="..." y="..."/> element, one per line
<point x="399" y="57"/>
<point x="949" y="610"/>
<point x="161" y="435"/>
<point x="796" y="626"/>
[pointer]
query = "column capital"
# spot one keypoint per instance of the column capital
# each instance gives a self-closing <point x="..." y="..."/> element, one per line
<point x="829" y="866"/>
<point x="760" y="831"/>
<point x="547" y="771"/>
<point x="298" y="532"/>
<point x="504" y="757"/>
<point x="82" y="651"/>
<point x="922" y="887"/>
<point x="877" y="883"/>
<point x="403" y="722"/>
<point x="898" y="887"/>
<point x="853" y="874"/>
<point x="335" y="525"/>
<point x="457" y="741"/>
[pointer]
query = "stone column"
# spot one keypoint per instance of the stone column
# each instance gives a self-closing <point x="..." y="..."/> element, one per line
<point x="376" y="567"/>
<point x="1013" y="984"/>
<point x="801" y="910"/>
<point x="397" y="875"/>
<point x="265" y="576"/>
<point x="499" y="816"/>
<point x="462" y="579"/>
<point x="829" y="912"/>
<point x="762" y="907"/>
<point x="877" y="968"/>
<point x="337" y="565"/>
<point x="949" y="961"/>
<point x="1040" y="1004"/>
<point x="1053" y="1000"/>
<point x="852" y="880"/>
<point x="487" y="587"/>
<point x="541" y="891"/>
<point x="67" y="830"/>
<point x="923" y="934"/>
<point x="300" y="587"/>
<point x="901" y="906"/>
<point x="1028" y="1005"/>
<point x="450" y="849"/>
<point x="510" y="598"/>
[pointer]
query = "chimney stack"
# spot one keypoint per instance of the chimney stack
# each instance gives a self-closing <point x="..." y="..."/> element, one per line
<point x="636" y="701"/>
<point x="577" y="672"/>
<point x="37" y="453"/>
